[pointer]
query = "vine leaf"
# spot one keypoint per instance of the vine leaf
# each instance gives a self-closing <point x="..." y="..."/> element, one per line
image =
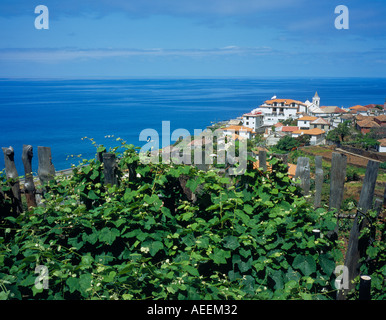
<point x="327" y="264"/>
<point x="231" y="242"/>
<point x="306" y="264"/>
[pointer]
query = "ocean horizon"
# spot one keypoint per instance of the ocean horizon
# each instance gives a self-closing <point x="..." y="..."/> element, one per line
<point x="58" y="113"/>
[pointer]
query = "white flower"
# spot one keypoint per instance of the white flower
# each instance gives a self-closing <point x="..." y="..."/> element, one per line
<point x="145" y="249"/>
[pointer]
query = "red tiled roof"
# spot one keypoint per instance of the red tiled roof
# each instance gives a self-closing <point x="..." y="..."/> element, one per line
<point x="289" y="129"/>
<point x="311" y="132"/>
<point x="285" y="101"/>
<point x="359" y="108"/>
<point x="381" y="118"/>
<point x="382" y="142"/>
<point x="307" y="118"/>
<point x="238" y="128"/>
<point x="254" y="114"/>
<point x="332" y="109"/>
<point x="356" y="107"/>
<point x="368" y="124"/>
<point x="320" y="121"/>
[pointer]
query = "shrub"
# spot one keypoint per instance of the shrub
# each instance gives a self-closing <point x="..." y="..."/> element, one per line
<point x="243" y="237"/>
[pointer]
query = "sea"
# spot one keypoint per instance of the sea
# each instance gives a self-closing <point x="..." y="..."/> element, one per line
<point x="60" y="113"/>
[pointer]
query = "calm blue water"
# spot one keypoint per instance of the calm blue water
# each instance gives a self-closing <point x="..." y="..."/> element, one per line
<point x="58" y="113"/>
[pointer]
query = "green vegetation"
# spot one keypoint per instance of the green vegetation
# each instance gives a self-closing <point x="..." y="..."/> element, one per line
<point x="339" y="133"/>
<point x="363" y="141"/>
<point x="243" y="237"/>
<point x="288" y="143"/>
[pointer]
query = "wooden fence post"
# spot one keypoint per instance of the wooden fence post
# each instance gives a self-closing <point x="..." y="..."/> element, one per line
<point x="337" y="179"/>
<point x="384" y="203"/>
<point x="303" y="172"/>
<point x="318" y="181"/>
<point x="365" y="288"/>
<point x="357" y="247"/>
<point x="12" y="175"/>
<point x="263" y="160"/>
<point x="29" y="185"/>
<point x="46" y="170"/>
<point x="99" y="156"/>
<point x="316" y="233"/>
<point x="110" y="169"/>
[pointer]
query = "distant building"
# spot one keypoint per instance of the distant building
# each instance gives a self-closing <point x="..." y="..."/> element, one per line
<point x="278" y="126"/>
<point x="382" y="145"/>
<point x="365" y="126"/>
<point x="277" y="110"/>
<point x="359" y="110"/>
<point x="235" y="122"/>
<point x="289" y="129"/>
<point x="239" y="131"/>
<point x="381" y="120"/>
<point x="304" y="122"/>
<point x="347" y="117"/>
<point x="320" y="123"/>
<point x="253" y="120"/>
<point x="327" y="112"/>
<point x="314" y="105"/>
<point x="317" y="136"/>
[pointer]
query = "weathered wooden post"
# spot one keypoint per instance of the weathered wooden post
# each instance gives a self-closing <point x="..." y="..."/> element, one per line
<point x="13" y="177"/>
<point x="316" y="233"/>
<point x="99" y="156"/>
<point x="29" y="185"/>
<point x="337" y="179"/>
<point x="46" y="170"/>
<point x="263" y="160"/>
<point x="384" y="204"/>
<point x="318" y="181"/>
<point x="357" y="247"/>
<point x="110" y="169"/>
<point x="378" y="206"/>
<point x="303" y="173"/>
<point x="365" y="288"/>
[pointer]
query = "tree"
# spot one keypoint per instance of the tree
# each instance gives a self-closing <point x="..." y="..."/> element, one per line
<point x="304" y="140"/>
<point x="289" y="122"/>
<point x="366" y="141"/>
<point x="287" y="143"/>
<point x="338" y="134"/>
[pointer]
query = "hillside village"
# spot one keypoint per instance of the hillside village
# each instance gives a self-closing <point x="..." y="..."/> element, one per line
<point x="289" y="123"/>
<point x="277" y="118"/>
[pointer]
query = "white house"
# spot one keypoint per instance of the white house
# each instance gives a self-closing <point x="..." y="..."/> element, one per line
<point x="277" y="110"/>
<point x="327" y="112"/>
<point x="253" y="120"/>
<point x="316" y="135"/>
<point x="320" y="123"/>
<point x="382" y="145"/>
<point x="238" y="132"/>
<point x="314" y="105"/>
<point x="304" y="122"/>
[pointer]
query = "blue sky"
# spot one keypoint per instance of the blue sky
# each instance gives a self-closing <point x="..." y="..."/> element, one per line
<point x="195" y="38"/>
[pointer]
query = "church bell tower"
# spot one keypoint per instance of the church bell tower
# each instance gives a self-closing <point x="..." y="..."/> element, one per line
<point x="316" y="100"/>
